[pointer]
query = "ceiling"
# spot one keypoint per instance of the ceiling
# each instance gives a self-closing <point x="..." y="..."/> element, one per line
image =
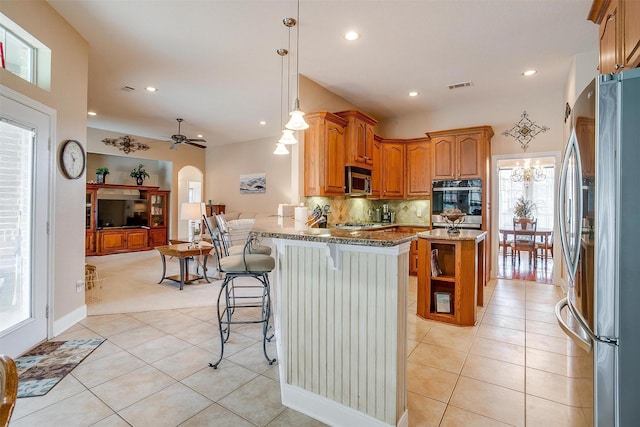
<point x="215" y="64"/>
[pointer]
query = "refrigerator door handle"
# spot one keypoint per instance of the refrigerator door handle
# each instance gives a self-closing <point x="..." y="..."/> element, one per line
<point x="580" y="341"/>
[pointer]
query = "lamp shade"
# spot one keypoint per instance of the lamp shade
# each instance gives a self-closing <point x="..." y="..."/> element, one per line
<point x="190" y="211"/>
<point x="287" y="137"/>
<point x="281" y="149"/>
<point x="296" y="122"/>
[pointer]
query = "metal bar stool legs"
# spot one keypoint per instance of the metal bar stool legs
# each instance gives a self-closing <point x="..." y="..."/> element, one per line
<point x="233" y="297"/>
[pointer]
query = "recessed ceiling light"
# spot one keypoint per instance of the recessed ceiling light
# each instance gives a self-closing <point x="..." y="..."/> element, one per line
<point x="351" y="36"/>
<point x="92" y="113"/>
<point x="200" y="136"/>
<point x="414" y="93"/>
<point x="262" y="122"/>
<point x="529" y="73"/>
<point x="151" y="89"/>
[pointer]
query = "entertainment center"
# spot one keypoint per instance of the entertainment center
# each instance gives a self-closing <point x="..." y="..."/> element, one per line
<point x="125" y="218"/>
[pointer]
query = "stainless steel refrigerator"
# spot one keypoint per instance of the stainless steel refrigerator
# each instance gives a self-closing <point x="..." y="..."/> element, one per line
<point x="599" y="218"/>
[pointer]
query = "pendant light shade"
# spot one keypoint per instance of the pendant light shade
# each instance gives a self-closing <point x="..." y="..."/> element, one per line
<point x="296" y="122"/>
<point x="287" y="137"/>
<point x="281" y="150"/>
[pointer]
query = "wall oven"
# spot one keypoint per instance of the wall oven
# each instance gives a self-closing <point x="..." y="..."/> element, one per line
<point x="465" y="195"/>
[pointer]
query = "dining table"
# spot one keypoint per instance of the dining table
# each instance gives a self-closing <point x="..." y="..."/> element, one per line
<point x="544" y="234"/>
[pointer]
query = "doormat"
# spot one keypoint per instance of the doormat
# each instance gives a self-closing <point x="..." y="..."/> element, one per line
<point x="42" y="367"/>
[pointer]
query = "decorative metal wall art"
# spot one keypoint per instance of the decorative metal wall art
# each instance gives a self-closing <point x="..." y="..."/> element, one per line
<point x="126" y="144"/>
<point x="525" y="131"/>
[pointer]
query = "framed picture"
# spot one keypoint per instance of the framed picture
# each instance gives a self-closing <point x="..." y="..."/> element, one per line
<point x="443" y="302"/>
<point x="253" y="183"/>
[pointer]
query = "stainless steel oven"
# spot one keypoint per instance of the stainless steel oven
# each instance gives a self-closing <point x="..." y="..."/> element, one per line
<point x="465" y="194"/>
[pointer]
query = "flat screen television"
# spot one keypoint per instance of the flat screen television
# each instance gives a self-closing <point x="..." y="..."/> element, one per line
<point x="122" y="213"/>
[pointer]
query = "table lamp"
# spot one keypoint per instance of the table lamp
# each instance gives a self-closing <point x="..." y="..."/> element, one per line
<point x="191" y="212"/>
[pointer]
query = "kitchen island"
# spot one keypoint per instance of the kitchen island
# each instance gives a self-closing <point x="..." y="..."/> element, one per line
<point x="340" y="310"/>
<point x="451" y="275"/>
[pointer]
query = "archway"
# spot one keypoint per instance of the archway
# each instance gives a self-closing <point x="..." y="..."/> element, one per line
<point x="190" y="189"/>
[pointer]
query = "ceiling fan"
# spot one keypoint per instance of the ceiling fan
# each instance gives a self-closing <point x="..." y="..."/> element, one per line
<point x="181" y="139"/>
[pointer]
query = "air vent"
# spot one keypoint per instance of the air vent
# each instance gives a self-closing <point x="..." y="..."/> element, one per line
<point x="127" y="88"/>
<point x="459" y="85"/>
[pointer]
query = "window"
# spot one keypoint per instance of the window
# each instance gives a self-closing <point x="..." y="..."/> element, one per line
<point x="19" y="55"/>
<point x="24" y="55"/>
<point x="542" y="193"/>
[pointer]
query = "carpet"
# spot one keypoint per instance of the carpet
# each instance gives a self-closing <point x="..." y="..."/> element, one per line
<point x="42" y="367"/>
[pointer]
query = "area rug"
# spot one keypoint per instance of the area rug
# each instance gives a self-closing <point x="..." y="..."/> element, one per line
<point x="42" y="367"/>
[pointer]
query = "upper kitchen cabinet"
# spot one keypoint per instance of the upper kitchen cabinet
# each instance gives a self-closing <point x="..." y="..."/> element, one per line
<point x="418" y="161"/>
<point x="619" y="35"/>
<point x="392" y="161"/>
<point x="460" y="153"/>
<point x="376" y="171"/>
<point x="324" y="154"/>
<point x="359" y="139"/>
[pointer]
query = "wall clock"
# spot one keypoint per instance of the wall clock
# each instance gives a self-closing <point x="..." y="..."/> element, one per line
<point x="72" y="159"/>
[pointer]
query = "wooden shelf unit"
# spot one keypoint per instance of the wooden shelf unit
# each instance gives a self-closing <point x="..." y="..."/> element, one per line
<point x="108" y="240"/>
<point x="461" y="261"/>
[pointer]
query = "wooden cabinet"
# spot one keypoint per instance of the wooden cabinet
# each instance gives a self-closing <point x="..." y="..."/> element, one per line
<point x="619" y="33"/>
<point x="460" y="153"/>
<point x="122" y="240"/>
<point x="586" y="134"/>
<point x="324" y="154"/>
<point x="158" y="217"/>
<point x="359" y="139"/>
<point x="212" y="210"/>
<point x="418" y="174"/>
<point x="152" y="232"/>
<point x="450" y="286"/>
<point x="376" y="171"/>
<point x="413" y="250"/>
<point x="90" y="222"/>
<point x="392" y="161"/>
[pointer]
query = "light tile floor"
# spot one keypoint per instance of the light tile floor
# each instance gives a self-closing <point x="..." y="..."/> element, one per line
<point x="515" y="367"/>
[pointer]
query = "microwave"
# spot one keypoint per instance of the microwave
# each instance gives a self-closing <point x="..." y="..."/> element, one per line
<point x="358" y="181"/>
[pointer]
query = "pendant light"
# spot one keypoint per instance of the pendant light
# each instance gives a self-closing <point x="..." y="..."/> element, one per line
<point x="281" y="150"/>
<point x="296" y="122"/>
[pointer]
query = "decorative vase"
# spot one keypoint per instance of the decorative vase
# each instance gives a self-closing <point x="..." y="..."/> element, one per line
<point x="100" y="178"/>
<point x="139" y="180"/>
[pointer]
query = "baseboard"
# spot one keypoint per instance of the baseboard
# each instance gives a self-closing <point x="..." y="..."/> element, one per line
<point x="329" y="411"/>
<point x="64" y="323"/>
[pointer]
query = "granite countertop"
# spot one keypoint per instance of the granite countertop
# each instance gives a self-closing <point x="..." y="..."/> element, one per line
<point x="441" y="234"/>
<point x="286" y="228"/>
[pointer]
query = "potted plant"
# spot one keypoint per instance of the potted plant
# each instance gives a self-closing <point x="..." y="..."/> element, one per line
<point x="101" y="174"/>
<point x="139" y="174"/>
<point x="524" y="208"/>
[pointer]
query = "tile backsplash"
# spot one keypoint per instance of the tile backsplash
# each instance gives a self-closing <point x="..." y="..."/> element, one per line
<point x="355" y="209"/>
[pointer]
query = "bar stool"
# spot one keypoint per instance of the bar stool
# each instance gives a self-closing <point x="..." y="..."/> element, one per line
<point x="229" y="249"/>
<point x="242" y="294"/>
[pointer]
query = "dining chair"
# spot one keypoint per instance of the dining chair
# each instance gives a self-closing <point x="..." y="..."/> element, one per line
<point x="544" y="248"/>
<point x="524" y="238"/>
<point x="9" y="388"/>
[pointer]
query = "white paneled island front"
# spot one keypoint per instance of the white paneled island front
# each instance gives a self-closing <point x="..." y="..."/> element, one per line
<point x="341" y="322"/>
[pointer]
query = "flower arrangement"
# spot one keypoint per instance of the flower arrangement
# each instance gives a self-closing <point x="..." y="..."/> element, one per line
<point x="102" y="171"/>
<point x="139" y="173"/>
<point x="524" y="208"/>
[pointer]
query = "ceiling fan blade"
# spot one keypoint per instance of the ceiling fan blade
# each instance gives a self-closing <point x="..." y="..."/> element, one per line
<point x="174" y="146"/>
<point x="194" y="144"/>
<point x="197" y="140"/>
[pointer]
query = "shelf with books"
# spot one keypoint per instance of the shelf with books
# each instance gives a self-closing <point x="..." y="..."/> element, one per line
<point x="450" y="277"/>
